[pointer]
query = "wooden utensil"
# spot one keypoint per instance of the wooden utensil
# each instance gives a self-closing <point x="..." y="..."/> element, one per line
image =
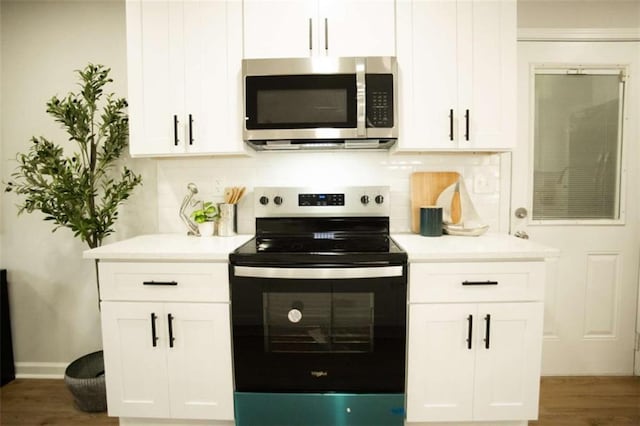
<point x="456" y="208"/>
<point x="425" y="189"/>
<point x="240" y="193"/>
<point x="228" y="193"/>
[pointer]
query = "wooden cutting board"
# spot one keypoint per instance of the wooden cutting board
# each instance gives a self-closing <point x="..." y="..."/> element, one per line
<point x="425" y="189"/>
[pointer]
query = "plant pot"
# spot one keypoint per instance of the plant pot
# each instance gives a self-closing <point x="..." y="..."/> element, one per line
<point x="206" y="229"/>
<point x="84" y="378"/>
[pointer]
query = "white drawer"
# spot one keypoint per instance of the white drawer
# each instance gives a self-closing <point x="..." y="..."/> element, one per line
<point x="164" y="281"/>
<point x="476" y="282"/>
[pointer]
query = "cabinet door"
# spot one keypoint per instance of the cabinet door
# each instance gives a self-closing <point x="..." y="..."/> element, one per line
<point x="457" y="62"/>
<point x="507" y="377"/>
<point x="155" y="59"/>
<point x="357" y="27"/>
<point x="200" y="370"/>
<point x="487" y="85"/>
<point x="212" y="67"/>
<point x="280" y="28"/>
<point x="440" y="362"/>
<point x="135" y="363"/>
<point x="427" y="62"/>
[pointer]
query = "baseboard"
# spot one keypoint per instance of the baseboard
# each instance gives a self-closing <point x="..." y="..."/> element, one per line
<point x="40" y="370"/>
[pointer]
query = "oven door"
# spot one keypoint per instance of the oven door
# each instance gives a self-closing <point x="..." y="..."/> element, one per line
<point x="319" y="329"/>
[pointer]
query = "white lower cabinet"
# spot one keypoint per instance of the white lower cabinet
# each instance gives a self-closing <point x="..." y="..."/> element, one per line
<point x="166" y="359"/>
<point x="473" y="362"/>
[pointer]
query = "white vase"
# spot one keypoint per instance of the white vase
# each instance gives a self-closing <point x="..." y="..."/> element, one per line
<point x="206" y="229"/>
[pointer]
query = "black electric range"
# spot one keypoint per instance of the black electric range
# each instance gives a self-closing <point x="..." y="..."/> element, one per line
<point x="302" y="226"/>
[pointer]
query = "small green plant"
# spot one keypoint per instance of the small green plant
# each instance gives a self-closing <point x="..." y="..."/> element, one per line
<point x="208" y="212"/>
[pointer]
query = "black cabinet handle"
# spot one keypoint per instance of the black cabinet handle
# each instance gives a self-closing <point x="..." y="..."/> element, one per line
<point x="159" y="283"/>
<point x="170" y="322"/>
<point x="190" y="129"/>
<point x="470" y="331"/>
<point x="466" y="129"/>
<point x="310" y="34"/>
<point x="479" y="282"/>
<point x="326" y="34"/>
<point x="487" y="334"/>
<point x="175" y="130"/>
<point x="450" y="124"/>
<point x="154" y="337"/>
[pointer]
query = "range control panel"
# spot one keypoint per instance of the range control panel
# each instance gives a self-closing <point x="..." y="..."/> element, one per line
<point x="321" y="200"/>
<point x="346" y="201"/>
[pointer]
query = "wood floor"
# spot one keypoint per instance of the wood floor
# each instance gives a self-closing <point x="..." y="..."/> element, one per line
<point x="564" y="401"/>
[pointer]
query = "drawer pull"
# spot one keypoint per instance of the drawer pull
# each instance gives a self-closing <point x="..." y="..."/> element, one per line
<point x="159" y="283"/>
<point x="154" y="337"/>
<point x="479" y="282"/>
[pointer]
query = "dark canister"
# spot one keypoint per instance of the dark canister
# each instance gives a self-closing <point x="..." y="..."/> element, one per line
<point x="431" y="221"/>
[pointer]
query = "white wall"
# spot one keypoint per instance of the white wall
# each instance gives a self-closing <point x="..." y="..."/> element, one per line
<point x="52" y="290"/>
<point x="578" y="14"/>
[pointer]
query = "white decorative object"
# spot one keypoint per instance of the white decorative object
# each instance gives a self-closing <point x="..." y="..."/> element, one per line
<point x="470" y="222"/>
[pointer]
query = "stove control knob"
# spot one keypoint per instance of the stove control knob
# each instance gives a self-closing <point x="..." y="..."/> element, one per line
<point x="264" y="200"/>
<point x="364" y="199"/>
<point x="379" y="199"/>
<point x="277" y="200"/>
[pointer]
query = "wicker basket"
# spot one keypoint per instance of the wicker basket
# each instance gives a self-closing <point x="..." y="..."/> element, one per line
<point x="85" y="379"/>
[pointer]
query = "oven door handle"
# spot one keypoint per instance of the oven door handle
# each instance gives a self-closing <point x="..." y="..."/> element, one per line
<point x="318" y="273"/>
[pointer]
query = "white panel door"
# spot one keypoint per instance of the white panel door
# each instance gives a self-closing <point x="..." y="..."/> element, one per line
<point x="200" y="369"/>
<point x="441" y="362"/>
<point x="427" y="55"/>
<point x="508" y="354"/>
<point x="357" y="27"/>
<point x="487" y="61"/>
<point x="280" y="28"/>
<point x="207" y="89"/>
<point x="135" y="362"/>
<point x="457" y="63"/>
<point x="591" y="295"/>
<point x="155" y="58"/>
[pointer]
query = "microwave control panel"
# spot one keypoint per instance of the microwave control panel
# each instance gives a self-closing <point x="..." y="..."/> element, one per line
<point x="379" y="99"/>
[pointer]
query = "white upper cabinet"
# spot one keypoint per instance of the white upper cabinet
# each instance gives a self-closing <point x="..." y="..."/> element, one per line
<point x="457" y="65"/>
<point x="184" y="64"/>
<point x="302" y="28"/>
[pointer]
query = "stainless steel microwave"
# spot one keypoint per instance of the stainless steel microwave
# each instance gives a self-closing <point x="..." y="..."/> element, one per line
<point x="320" y="102"/>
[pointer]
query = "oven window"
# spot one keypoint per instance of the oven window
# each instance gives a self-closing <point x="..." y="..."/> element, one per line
<point x="318" y="322"/>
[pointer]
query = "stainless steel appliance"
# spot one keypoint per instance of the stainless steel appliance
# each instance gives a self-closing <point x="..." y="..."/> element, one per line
<point x="320" y="102"/>
<point x="318" y="301"/>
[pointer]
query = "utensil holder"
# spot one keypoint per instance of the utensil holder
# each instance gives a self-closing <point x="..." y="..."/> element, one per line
<point x="228" y="223"/>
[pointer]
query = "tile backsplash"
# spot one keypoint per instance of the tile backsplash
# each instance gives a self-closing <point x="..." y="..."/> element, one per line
<point x="484" y="175"/>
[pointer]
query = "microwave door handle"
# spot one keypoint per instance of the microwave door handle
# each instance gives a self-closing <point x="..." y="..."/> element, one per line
<point x="361" y="92"/>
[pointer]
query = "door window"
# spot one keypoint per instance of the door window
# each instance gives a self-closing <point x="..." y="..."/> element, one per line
<point x="577" y="144"/>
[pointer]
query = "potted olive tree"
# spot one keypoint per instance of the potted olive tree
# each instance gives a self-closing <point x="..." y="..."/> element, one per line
<point x="80" y="188"/>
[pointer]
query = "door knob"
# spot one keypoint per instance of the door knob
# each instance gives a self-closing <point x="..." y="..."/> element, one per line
<point x="521" y="213"/>
<point x="521" y="234"/>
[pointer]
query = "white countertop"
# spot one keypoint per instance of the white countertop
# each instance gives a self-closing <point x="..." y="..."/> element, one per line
<point x="169" y="247"/>
<point x="420" y="249"/>
<point x="489" y="246"/>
